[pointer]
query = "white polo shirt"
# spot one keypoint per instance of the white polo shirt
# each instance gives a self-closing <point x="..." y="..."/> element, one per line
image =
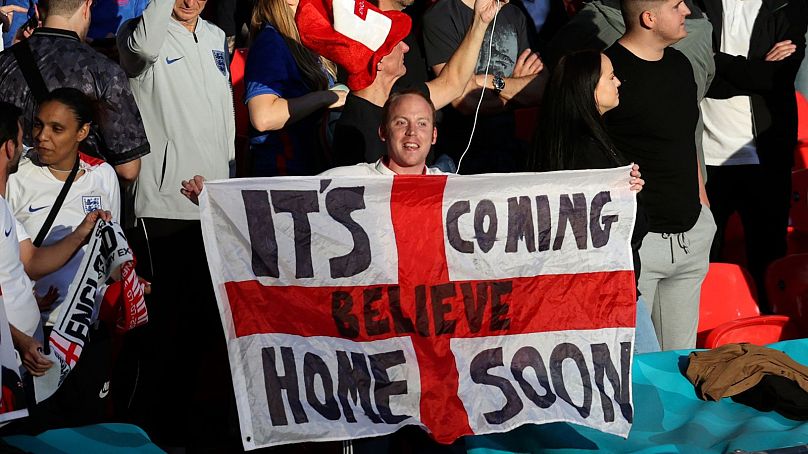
<point x="364" y="168"/>
<point x="728" y="130"/>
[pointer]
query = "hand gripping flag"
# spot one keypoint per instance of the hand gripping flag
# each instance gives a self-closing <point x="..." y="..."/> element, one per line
<point x="107" y="256"/>
<point x="353" y="306"/>
<point x="124" y="306"/>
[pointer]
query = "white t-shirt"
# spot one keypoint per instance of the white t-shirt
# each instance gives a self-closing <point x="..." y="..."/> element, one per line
<point x="18" y="297"/>
<point x="377" y="168"/>
<point x="32" y="191"/>
<point x="728" y="130"/>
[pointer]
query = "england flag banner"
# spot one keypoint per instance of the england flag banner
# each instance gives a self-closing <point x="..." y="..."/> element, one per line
<point x="353" y="306"/>
<point x="107" y="257"/>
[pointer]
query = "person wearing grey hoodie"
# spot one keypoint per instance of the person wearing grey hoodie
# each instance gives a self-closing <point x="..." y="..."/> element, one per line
<point x="177" y="65"/>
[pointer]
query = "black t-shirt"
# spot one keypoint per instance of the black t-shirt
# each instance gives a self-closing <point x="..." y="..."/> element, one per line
<point x="494" y="148"/>
<point x="356" y="135"/>
<point x="64" y="61"/>
<point x="655" y="126"/>
<point x="414" y="59"/>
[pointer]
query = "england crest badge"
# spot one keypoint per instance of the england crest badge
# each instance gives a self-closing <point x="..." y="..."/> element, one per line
<point x="91" y="203"/>
<point x="221" y="61"/>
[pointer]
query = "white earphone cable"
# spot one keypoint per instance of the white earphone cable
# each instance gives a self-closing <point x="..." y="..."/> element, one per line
<point x="482" y="92"/>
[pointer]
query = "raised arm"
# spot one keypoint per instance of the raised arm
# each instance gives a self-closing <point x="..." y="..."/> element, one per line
<point x="523" y="87"/>
<point x="456" y="73"/>
<point x="140" y="39"/>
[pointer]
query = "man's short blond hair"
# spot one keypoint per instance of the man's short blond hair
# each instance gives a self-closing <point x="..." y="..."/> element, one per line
<point x="64" y="8"/>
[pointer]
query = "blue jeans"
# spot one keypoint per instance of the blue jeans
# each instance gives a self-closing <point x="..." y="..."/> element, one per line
<point x="645" y="340"/>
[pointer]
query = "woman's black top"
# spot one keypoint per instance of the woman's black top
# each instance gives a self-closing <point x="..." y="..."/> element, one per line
<point x="592" y="155"/>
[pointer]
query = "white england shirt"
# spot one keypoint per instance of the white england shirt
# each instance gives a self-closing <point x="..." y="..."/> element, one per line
<point x="31" y="193"/>
<point x="18" y="298"/>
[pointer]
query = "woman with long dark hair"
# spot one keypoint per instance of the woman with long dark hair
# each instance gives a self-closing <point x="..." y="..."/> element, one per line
<point x="571" y="132"/>
<point x="571" y="135"/>
<point x="288" y="89"/>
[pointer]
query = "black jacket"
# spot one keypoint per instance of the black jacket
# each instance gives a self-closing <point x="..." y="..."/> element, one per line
<point x="769" y="84"/>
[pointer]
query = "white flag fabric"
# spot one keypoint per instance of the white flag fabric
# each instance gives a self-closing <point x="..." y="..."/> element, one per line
<point x="353" y="306"/>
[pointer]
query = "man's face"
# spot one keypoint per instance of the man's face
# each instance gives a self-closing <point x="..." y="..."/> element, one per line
<point x="393" y="63"/>
<point x="670" y="20"/>
<point x="188" y="10"/>
<point x="394" y="5"/>
<point x="401" y="4"/>
<point x="409" y="133"/>
<point x="14" y="163"/>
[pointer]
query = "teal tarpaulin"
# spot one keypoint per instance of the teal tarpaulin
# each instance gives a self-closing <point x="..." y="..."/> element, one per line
<point x="97" y="439"/>
<point x="668" y="417"/>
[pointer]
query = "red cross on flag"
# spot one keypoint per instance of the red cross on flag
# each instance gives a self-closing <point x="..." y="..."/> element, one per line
<point x="354" y="306"/>
<point x="70" y="351"/>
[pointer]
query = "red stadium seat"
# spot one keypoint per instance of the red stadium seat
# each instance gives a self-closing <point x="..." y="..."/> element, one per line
<point x="797" y="241"/>
<point x="801" y="152"/>
<point x="787" y="286"/>
<point x="728" y="293"/>
<point x="799" y="200"/>
<point x="237" y="67"/>
<point x="760" y="330"/>
<point x="733" y="249"/>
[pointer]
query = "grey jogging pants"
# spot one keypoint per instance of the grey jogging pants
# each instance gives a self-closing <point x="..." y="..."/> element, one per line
<point x="673" y="268"/>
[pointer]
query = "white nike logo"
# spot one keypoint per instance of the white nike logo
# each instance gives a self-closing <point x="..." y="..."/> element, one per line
<point x="104" y="390"/>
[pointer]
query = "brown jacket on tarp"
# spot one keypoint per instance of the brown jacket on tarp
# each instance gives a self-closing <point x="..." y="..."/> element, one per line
<point x="734" y="368"/>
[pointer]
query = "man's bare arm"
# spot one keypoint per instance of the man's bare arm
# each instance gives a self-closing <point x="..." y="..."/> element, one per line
<point x="128" y="171"/>
<point x="524" y="87"/>
<point x="452" y="80"/>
